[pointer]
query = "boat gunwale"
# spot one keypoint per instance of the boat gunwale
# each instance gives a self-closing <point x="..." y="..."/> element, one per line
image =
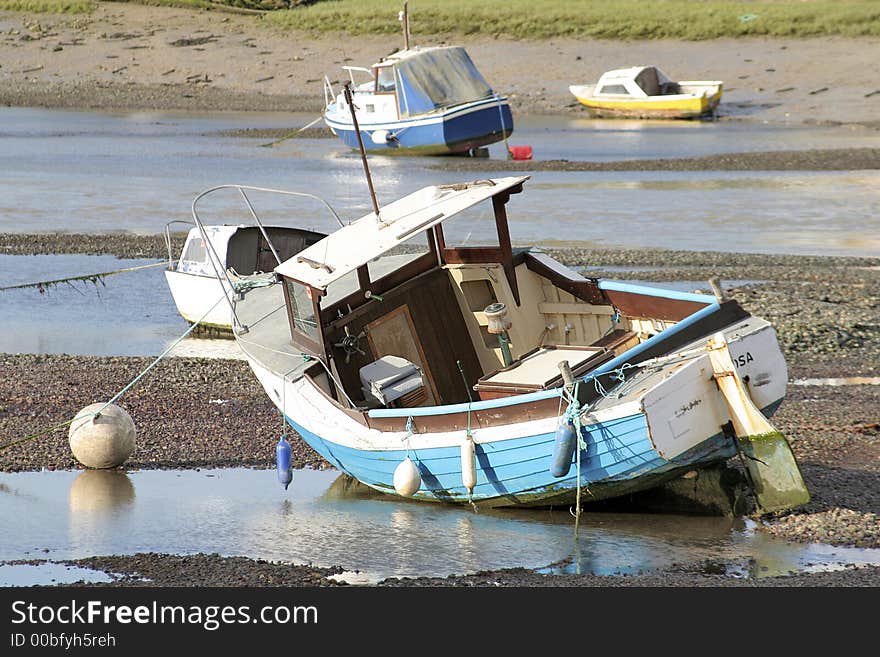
<point x="428" y="118"/>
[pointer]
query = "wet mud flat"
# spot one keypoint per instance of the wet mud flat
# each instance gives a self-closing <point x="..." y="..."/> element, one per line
<point x="831" y="159"/>
<point x="154" y="569"/>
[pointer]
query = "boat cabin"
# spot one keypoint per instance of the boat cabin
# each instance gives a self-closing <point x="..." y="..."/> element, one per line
<point x="244" y="249"/>
<point x="414" y="82"/>
<point x="428" y="304"/>
<point x="637" y="82"/>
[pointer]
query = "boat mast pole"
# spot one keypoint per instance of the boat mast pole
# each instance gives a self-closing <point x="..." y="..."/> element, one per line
<point x="357" y="132"/>
<point x="404" y="18"/>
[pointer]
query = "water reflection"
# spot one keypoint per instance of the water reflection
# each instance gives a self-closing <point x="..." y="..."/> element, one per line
<point x="99" y="501"/>
<point x="100" y="493"/>
<point x="326" y="520"/>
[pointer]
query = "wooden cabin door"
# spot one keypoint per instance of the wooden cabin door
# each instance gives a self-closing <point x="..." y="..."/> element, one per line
<point x="394" y="335"/>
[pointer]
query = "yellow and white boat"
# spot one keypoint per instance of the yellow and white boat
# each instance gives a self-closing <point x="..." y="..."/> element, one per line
<point x="646" y="92"/>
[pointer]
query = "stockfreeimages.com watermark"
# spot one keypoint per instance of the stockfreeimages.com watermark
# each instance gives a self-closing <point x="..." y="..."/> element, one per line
<point x="209" y="617"/>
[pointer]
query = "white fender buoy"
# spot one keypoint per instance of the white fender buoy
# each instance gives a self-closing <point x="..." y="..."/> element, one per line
<point x="379" y="137"/>
<point x="407" y="479"/>
<point x="468" y="465"/>
<point x="105" y="441"/>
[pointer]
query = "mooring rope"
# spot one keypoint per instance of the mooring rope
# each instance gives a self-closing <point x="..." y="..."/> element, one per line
<point x="292" y="134"/>
<point x="573" y="415"/>
<point x="92" y="278"/>
<point x="119" y="394"/>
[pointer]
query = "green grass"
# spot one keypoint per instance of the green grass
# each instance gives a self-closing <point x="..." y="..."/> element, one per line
<point x="598" y="19"/>
<point x="545" y="19"/>
<point x="49" y="6"/>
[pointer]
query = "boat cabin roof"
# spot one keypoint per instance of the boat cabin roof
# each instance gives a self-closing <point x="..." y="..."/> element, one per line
<point x="639" y="81"/>
<point x="428" y="79"/>
<point x="367" y="238"/>
<point x="418" y="52"/>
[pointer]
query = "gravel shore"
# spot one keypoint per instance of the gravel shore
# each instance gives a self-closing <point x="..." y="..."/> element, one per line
<point x="842" y="159"/>
<point x="210" y="570"/>
<point x="189" y="413"/>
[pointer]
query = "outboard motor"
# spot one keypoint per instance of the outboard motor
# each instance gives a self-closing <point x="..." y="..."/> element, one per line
<point x="283" y="453"/>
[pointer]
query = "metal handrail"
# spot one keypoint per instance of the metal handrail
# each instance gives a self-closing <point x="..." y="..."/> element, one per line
<point x="216" y="259"/>
<point x="329" y="94"/>
<point x="167" y="232"/>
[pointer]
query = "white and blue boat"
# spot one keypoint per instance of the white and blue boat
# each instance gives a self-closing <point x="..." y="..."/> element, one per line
<point x="426" y="101"/>
<point x="426" y="367"/>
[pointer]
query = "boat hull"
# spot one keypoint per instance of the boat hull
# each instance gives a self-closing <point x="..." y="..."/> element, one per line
<point x="652" y="108"/>
<point x="454" y="130"/>
<point x="671" y="421"/>
<point x="196" y="299"/>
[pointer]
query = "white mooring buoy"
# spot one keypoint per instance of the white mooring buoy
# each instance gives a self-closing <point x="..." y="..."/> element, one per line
<point x="105" y="441"/>
<point x="407" y="479"/>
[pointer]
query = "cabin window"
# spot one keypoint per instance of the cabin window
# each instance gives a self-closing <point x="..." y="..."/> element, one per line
<point x="472" y="228"/>
<point x="195" y="251"/>
<point x="302" y="311"/>
<point x="614" y="89"/>
<point x="385" y="82"/>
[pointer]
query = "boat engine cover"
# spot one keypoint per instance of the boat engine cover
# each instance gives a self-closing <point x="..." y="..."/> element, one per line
<point x="389" y="378"/>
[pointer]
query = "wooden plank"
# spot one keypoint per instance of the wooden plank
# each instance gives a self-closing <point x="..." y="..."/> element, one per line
<point x="547" y="308"/>
<point x="632" y="304"/>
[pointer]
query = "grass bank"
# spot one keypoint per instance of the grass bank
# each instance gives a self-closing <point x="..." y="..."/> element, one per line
<point x="49" y="6"/>
<point x="527" y="19"/>
<point x="598" y="19"/>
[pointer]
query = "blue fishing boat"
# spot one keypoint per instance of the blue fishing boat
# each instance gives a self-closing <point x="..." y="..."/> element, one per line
<point x="430" y="368"/>
<point x="426" y="101"/>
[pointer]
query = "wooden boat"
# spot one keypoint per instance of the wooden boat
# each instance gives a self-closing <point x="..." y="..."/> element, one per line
<point x="646" y="92"/>
<point x="428" y="101"/>
<point x="214" y="259"/>
<point x="426" y="368"/>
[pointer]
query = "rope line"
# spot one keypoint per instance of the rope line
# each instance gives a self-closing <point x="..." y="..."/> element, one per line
<point x="93" y="278"/>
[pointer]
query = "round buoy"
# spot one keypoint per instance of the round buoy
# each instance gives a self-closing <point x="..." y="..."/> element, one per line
<point x="407" y="479"/>
<point x="105" y="441"/>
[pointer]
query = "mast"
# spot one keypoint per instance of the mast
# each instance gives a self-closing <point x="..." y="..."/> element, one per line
<point x="403" y="17"/>
<point x="357" y="131"/>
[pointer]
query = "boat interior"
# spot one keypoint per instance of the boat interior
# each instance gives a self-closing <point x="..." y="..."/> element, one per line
<point x="441" y="320"/>
<point x="244" y="249"/>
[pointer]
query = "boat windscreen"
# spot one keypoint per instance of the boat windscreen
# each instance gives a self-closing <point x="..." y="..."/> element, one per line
<point x="439" y="78"/>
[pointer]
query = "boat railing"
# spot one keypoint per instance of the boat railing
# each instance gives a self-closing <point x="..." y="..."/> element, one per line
<point x="215" y="259"/>
<point x="168" y="245"/>
<point x="329" y="94"/>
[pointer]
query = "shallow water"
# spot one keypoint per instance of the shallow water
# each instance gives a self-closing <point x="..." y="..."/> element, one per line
<point x="96" y="172"/>
<point x="129" y="314"/>
<point x="321" y="520"/>
<point x="48" y="573"/>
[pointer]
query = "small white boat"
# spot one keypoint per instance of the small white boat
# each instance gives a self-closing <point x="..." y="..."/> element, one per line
<point x="427" y="101"/>
<point x="216" y="258"/>
<point x="646" y="92"/>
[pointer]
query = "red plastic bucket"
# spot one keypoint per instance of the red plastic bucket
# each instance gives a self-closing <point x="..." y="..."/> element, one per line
<point x="520" y="152"/>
